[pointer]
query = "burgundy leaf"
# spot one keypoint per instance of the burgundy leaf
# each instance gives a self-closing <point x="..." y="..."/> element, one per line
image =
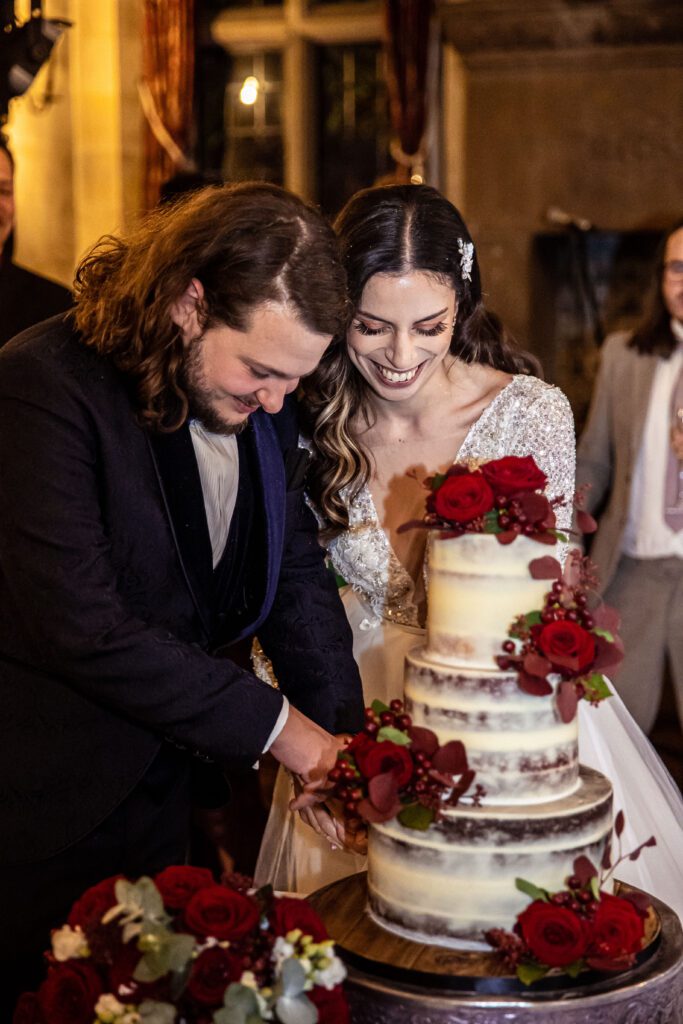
<point x="535" y="506"/>
<point x="606" y="618"/>
<point x="640" y="900"/>
<point x="533" y="685"/>
<point x="584" y="869"/>
<point x="536" y="665"/>
<point x="567" y="701"/>
<point x="506" y="537"/>
<point x="639" y="849"/>
<point x="466" y="780"/>
<point x="585" y="521"/>
<point x="607" y="655"/>
<point x="544" y="538"/>
<point x="606" y="862"/>
<point x="423" y="741"/>
<point x="545" y="568"/>
<point x="451" y="758"/>
<point x="369" y="812"/>
<point x="413" y="524"/>
<point x="619" y="823"/>
<point x="383" y="791"/>
<point x="445" y="780"/>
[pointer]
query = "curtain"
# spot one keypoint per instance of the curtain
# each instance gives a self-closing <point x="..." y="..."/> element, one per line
<point x="408" y="24"/>
<point x="166" y="91"/>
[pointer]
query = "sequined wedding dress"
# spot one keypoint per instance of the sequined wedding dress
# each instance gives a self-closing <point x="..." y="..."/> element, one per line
<point x="528" y="417"/>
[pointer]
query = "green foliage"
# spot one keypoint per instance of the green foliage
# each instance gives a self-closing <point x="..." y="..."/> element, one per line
<point x="531" y="890"/>
<point x="605" y="633"/>
<point x="417" y="816"/>
<point x="388" y="732"/>
<point x="596" y="687"/>
<point x="240" y="1006"/>
<point x="379" y="706"/>
<point x="528" y="972"/>
<point x="491" y="524"/>
<point x="169" y="952"/>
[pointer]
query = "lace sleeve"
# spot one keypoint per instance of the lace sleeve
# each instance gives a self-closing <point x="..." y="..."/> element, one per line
<point x="546" y="431"/>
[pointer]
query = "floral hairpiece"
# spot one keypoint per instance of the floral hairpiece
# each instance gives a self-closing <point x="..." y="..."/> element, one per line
<point x="466" y="250"/>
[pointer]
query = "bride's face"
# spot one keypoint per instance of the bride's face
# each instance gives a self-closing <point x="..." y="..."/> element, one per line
<point x="399" y="336"/>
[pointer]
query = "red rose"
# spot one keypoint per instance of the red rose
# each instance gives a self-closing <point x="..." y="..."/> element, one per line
<point x="178" y="883"/>
<point x="211" y="974"/>
<point x="89" y="910"/>
<point x="27" y="1010"/>
<point x="618" y="928"/>
<point x="288" y="914"/>
<point x="513" y="474"/>
<point x="463" y="497"/>
<point x="567" y="645"/>
<point x="554" y="934"/>
<point x="386" y="757"/>
<point x="69" y="993"/>
<point x="331" y="1005"/>
<point x="221" y="912"/>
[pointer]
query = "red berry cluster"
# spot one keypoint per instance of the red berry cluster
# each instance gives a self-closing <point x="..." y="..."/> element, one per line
<point x="562" y="603"/>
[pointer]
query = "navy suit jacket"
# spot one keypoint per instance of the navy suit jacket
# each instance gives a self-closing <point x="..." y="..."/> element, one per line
<point x="109" y="643"/>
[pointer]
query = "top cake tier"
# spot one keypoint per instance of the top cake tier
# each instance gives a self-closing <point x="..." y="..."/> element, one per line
<point x="477" y="587"/>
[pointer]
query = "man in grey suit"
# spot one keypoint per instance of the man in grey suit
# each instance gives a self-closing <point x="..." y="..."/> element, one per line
<point x="631" y="454"/>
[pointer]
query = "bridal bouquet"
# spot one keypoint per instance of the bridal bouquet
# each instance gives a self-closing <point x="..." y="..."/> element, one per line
<point x="582" y="926"/>
<point x="183" y="949"/>
<point x="503" y="497"/>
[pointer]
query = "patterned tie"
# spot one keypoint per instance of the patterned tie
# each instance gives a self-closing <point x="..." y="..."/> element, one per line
<point x="673" y="485"/>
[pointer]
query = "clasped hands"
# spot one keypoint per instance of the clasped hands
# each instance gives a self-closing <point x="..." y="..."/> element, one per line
<point x="324" y="814"/>
<point x="310" y="754"/>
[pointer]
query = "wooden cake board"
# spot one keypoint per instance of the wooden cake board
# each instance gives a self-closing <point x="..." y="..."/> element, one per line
<point x="393" y="980"/>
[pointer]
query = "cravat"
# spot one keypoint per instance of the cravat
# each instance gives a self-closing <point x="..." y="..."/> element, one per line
<point x="673" y="484"/>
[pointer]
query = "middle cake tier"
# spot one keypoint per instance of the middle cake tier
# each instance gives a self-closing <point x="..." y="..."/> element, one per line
<point x="516" y="742"/>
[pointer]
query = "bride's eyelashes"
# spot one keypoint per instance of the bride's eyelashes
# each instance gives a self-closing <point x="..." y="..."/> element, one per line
<point x="425" y="332"/>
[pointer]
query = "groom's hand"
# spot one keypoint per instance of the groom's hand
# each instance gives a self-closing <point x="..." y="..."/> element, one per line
<point x="310" y="753"/>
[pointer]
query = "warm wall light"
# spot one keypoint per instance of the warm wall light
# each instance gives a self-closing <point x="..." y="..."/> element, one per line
<point x="249" y="91"/>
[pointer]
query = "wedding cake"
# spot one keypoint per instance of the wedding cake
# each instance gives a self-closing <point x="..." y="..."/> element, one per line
<point x="535" y="809"/>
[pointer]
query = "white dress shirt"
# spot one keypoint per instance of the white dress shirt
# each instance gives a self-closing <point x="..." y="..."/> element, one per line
<point x="647" y="535"/>
<point x="219" y="467"/>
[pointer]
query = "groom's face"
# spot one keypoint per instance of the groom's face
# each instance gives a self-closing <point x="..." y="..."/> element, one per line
<point x="230" y="373"/>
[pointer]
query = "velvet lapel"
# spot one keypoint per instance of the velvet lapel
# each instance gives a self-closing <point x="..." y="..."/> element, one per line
<point x="181" y="488"/>
<point x="269" y="492"/>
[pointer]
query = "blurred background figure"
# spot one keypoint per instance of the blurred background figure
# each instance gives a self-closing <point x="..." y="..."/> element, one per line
<point x="631" y="455"/>
<point x="25" y="298"/>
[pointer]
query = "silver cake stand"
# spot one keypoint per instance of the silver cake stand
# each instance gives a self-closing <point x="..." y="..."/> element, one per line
<point x="392" y="980"/>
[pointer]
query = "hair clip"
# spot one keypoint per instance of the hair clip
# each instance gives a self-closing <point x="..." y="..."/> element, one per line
<point x="466" y="250"/>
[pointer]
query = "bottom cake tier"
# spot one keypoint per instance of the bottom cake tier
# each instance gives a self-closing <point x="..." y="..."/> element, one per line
<point x="454" y="881"/>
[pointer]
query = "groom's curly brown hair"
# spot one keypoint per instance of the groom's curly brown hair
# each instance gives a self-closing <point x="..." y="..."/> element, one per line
<point x="248" y="245"/>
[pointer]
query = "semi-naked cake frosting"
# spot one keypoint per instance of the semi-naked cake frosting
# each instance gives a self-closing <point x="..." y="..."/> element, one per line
<point x="540" y="811"/>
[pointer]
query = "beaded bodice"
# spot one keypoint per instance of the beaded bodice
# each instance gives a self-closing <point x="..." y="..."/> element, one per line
<point x="528" y="417"/>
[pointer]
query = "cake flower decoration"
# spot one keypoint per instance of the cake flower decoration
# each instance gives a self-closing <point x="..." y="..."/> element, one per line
<point x="395" y="769"/>
<point x="582" y="926"/>
<point x="565" y="641"/>
<point x="503" y="497"/>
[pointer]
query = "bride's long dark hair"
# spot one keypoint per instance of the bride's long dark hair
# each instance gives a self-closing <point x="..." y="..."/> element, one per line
<point x="393" y="229"/>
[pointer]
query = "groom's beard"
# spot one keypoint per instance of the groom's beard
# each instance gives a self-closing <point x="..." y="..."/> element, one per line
<point x="202" y="400"/>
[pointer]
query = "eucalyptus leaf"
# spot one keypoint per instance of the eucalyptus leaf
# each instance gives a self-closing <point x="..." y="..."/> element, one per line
<point x="152" y="1012"/>
<point x="531" y="890"/>
<point x="296" y="1010"/>
<point x="240" y="1006"/>
<point x="173" y="954"/>
<point x="528" y="973"/>
<point x="416" y="816"/>
<point x="388" y="732"/>
<point x="292" y="977"/>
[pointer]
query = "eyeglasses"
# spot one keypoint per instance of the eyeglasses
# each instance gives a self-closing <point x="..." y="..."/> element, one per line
<point x="674" y="268"/>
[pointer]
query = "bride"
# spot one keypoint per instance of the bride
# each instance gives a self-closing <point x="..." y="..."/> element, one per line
<point x="426" y="376"/>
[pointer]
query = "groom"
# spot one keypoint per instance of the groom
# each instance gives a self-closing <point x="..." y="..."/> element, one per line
<point x="151" y="517"/>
